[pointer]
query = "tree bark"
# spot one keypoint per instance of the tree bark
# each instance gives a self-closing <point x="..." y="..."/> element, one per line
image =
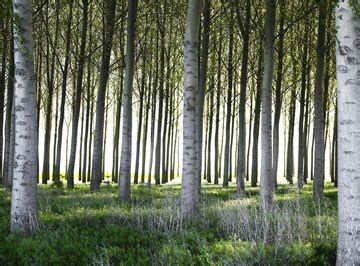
<point x="266" y="190"/>
<point x="241" y="160"/>
<point x="278" y="92"/>
<point x="257" y="111"/>
<point x="24" y="193"/>
<point x="96" y="172"/>
<point x="229" y="102"/>
<point x="348" y="78"/>
<point x="319" y="106"/>
<point x="190" y="184"/>
<point x="125" y="161"/>
<point x="57" y="165"/>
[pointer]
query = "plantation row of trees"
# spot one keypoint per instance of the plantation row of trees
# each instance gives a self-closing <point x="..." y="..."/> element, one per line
<point x="206" y="81"/>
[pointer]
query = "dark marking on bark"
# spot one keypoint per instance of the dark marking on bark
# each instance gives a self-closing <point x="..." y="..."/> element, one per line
<point x="342" y="69"/>
<point x="345" y="50"/>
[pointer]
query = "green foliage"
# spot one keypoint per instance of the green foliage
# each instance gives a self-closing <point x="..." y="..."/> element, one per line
<point x="82" y="228"/>
<point x="355" y="4"/>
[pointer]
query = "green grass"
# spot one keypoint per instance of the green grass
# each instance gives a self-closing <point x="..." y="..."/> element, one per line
<point x="82" y="228"/>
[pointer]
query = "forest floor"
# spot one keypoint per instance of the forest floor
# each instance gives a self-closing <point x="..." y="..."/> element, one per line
<point x="82" y="228"/>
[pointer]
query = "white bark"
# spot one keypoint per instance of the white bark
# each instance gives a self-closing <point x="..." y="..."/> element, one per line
<point x="189" y="184"/>
<point x="266" y="189"/>
<point x="24" y="194"/>
<point x="348" y="80"/>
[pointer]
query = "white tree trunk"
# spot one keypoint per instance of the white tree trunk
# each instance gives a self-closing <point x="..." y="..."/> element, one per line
<point x="24" y="194"/>
<point x="125" y="161"/>
<point x="266" y="191"/>
<point x="190" y="184"/>
<point x="348" y="79"/>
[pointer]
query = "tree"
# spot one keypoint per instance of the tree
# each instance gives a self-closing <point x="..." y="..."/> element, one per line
<point x="125" y="161"/>
<point x="266" y="191"/>
<point x="24" y="193"/>
<point x="190" y="184"/>
<point x="319" y="105"/>
<point x="347" y="74"/>
<point x="243" y="84"/>
<point x="96" y="172"/>
<point x="78" y="95"/>
<point x="202" y="79"/>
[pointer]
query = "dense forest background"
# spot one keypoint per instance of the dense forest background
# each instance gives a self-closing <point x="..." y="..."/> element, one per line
<point x="69" y="43"/>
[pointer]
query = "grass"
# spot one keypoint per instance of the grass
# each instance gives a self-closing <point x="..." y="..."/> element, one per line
<point x="82" y="228"/>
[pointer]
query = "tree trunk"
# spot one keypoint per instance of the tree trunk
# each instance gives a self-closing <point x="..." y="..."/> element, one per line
<point x="96" y="173"/>
<point x="347" y="74"/>
<point x="217" y="117"/>
<point x="57" y="165"/>
<point x="319" y="106"/>
<point x="189" y="184"/>
<point x="77" y="105"/>
<point x="158" y="154"/>
<point x="257" y="111"/>
<point x="266" y="191"/>
<point x="3" y="55"/>
<point x="301" y="137"/>
<point x="141" y="107"/>
<point x="241" y="160"/>
<point x="229" y="103"/>
<point x="125" y="161"/>
<point x="50" y="77"/>
<point x="24" y="193"/>
<point x="278" y="93"/>
<point x="202" y="81"/>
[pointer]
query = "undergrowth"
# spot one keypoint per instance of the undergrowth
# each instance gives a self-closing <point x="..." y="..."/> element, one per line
<point x="82" y="228"/>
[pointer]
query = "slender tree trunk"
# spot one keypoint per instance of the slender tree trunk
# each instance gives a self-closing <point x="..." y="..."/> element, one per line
<point x="257" y="111"/>
<point x="190" y="184"/>
<point x="140" y="122"/>
<point x="278" y="93"/>
<point x="157" y="172"/>
<point x="77" y="105"/>
<point x="249" y="139"/>
<point x="50" y="76"/>
<point x="81" y="144"/>
<point x="87" y="122"/>
<point x="146" y="126"/>
<point x="153" y="114"/>
<point x="228" y="105"/>
<point x="24" y="193"/>
<point x="125" y="161"/>
<point x="96" y="172"/>
<point x="266" y="191"/>
<point x="241" y="160"/>
<point x="57" y="165"/>
<point x="319" y="106"/>
<point x="290" y="146"/>
<point x="202" y="81"/>
<point x="217" y="117"/>
<point x="306" y="135"/>
<point x="3" y="56"/>
<point x="211" y="118"/>
<point x="301" y="137"/>
<point x="347" y="75"/>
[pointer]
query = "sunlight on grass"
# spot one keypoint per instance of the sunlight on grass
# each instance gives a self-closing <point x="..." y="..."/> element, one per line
<point x="95" y="228"/>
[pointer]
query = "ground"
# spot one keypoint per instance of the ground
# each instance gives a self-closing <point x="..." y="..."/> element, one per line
<point x="81" y="228"/>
